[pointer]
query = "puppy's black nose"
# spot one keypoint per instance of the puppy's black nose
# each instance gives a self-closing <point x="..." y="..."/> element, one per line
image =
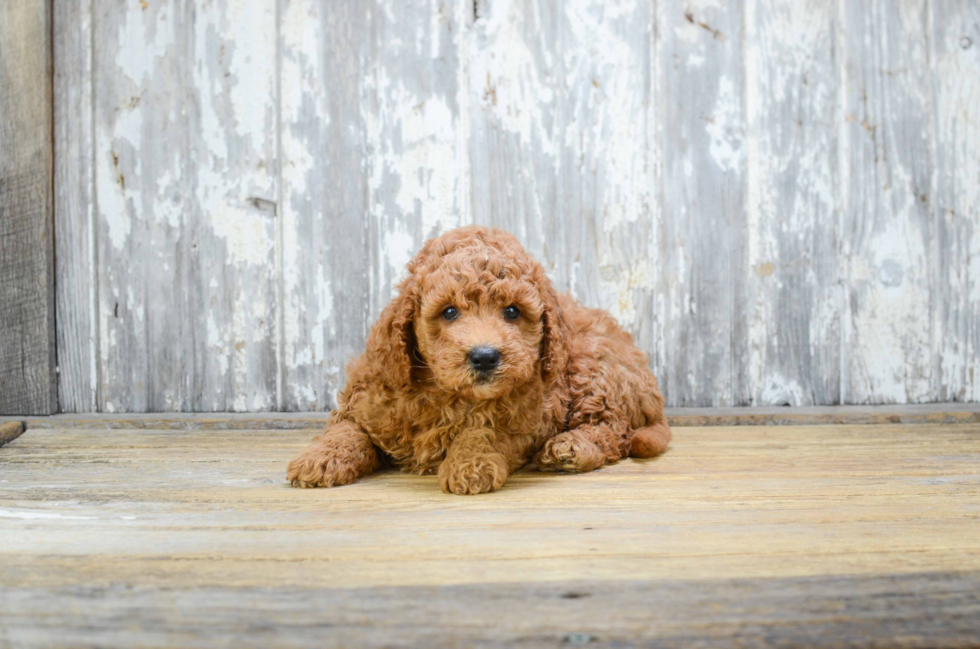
<point x="484" y="359"/>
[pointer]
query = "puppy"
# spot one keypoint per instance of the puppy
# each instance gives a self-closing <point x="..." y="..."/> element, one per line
<point x="479" y="366"/>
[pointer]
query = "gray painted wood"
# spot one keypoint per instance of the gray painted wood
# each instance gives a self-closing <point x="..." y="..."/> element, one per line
<point x="955" y="75"/>
<point x="324" y="232"/>
<point x="778" y="199"/>
<point x="887" y="231"/>
<point x="703" y="252"/>
<point x="76" y="253"/>
<point x="515" y="91"/>
<point x="186" y="183"/>
<point x="374" y="162"/>
<point x="793" y="278"/>
<point x="27" y="345"/>
<point x="562" y="145"/>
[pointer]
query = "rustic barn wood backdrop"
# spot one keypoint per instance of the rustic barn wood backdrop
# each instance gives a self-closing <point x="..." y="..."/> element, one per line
<point x="27" y="326"/>
<point x="779" y="198"/>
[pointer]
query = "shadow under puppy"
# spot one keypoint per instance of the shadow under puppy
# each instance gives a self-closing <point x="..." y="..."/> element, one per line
<point x="479" y="365"/>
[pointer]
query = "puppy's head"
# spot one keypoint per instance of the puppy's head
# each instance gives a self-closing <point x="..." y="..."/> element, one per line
<point x="476" y="315"/>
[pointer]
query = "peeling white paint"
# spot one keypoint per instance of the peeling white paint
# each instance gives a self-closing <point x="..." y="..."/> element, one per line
<point x="245" y="233"/>
<point x="725" y="127"/>
<point x="636" y="277"/>
<point x="889" y="335"/>
<point x="398" y="248"/>
<point x="956" y="200"/>
<point x="504" y="79"/>
<point x="252" y="67"/>
<point x="782" y="391"/>
<point x="549" y="120"/>
<point x="793" y="314"/>
<point x="148" y="37"/>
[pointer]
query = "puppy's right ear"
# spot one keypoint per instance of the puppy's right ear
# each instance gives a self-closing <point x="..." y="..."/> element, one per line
<point x="391" y="342"/>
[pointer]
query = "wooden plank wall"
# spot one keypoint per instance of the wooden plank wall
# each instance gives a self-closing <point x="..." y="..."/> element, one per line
<point x="780" y="199"/>
<point x="27" y="327"/>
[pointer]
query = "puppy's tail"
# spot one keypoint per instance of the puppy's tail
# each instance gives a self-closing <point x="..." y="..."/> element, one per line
<point x="650" y="441"/>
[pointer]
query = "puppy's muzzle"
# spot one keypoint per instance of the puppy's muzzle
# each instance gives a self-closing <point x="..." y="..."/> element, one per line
<point x="484" y="359"/>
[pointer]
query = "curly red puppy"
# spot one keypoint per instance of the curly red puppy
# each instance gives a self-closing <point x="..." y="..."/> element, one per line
<point x="478" y="366"/>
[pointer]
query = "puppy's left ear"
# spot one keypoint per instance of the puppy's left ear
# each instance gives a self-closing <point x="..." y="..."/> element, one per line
<point x="554" y="341"/>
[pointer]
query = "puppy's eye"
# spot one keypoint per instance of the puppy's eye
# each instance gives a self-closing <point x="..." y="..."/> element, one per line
<point x="512" y="313"/>
<point x="450" y="313"/>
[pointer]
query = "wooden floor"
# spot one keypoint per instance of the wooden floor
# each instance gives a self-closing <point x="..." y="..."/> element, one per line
<point x="862" y="535"/>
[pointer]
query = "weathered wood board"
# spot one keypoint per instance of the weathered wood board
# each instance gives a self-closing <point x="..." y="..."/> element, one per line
<point x="887" y="229"/>
<point x="76" y="252"/>
<point x="779" y="199"/>
<point x="185" y="169"/>
<point x="27" y="328"/>
<point x="922" y="611"/>
<point x="854" y="536"/>
<point x="925" y="413"/>
<point x="793" y="276"/>
<point x="954" y="60"/>
<point x="373" y="163"/>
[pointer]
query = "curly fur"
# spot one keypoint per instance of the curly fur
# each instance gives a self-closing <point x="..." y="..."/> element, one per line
<point x="572" y="391"/>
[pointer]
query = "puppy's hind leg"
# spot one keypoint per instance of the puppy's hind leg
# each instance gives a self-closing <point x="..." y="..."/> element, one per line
<point x="338" y="457"/>
<point x="584" y="448"/>
<point x="650" y="441"/>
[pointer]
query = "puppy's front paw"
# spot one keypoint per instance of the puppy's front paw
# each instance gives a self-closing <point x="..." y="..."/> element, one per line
<point x="320" y="466"/>
<point x="570" y="452"/>
<point x="473" y="475"/>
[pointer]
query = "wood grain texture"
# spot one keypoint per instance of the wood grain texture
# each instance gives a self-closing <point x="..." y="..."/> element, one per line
<point x="75" y="224"/>
<point x="930" y="413"/>
<point x="866" y="533"/>
<point x="515" y="91"/>
<point x="955" y="67"/>
<point x="927" y="610"/>
<point x="28" y="382"/>
<point x="374" y="163"/>
<point x="794" y="280"/>
<point x="562" y="145"/>
<point x="185" y="173"/>
<point x="887" y="230"/>
<point x="703" y="252"/>
<point x="778" y="199"/>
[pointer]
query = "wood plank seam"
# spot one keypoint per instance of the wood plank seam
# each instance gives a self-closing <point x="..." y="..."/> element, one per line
<point x="953" y="413"/>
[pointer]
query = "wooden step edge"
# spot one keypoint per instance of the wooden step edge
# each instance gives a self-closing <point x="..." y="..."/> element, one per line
<point x="10" y="430"/>
<point x="935" y="413"/>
